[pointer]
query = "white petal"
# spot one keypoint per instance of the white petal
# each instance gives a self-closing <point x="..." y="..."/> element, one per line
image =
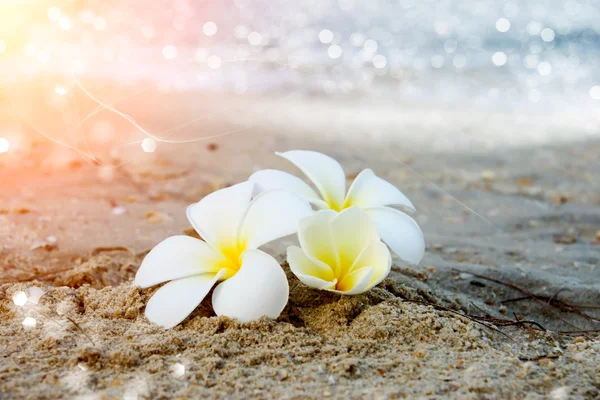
<point x="217" y="217"/>
<point x="178" y="257"/>
<point x="270" y="179"/>
<point x="352" y="231"/>
<point x="325" y="172"/>
<point x="316" y="239"/>
<point x="302" y="266"/>
<point x="173" y="302"/>
<point x="400" y="232"/>
<point x="369" y="190"/>
<point x="378" y="256"/>
<point x="356" y="282"/>
<point x="316" y="283"/>
<point x="272" y="215"/>
<point x="260" y="288"/>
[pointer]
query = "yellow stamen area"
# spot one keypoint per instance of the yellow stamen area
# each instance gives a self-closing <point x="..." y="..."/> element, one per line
<point x="233" y="257"/>
<point x="334" y="206"/>
<point x="340" y="275"/>
<point x="347" y="204"/>
<point x="344" y="285"/>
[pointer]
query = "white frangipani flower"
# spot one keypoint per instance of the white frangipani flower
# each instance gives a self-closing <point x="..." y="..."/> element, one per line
<point x="399" y="231"/>
<point x="233" y="226"/>
<point x="340" y="253"/>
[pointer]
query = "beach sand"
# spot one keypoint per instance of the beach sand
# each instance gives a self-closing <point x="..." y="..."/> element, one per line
<point x="511" y="220"/>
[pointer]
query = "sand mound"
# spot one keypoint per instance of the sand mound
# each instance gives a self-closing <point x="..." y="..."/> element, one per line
<point x="96" y="343"/>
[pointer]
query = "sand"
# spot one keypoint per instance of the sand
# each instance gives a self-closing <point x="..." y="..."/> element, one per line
<point x="96" y="343"/>
<point x="511" y="232"/>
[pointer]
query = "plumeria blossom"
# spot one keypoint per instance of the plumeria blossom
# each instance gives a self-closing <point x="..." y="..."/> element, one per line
<point x="341" y="253"/>
<point x="399" y="231"/>
<point x="233" y="226"/>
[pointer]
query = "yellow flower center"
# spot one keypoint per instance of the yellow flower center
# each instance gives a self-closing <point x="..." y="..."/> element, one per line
<point x="233" y="256"/>
<point x="334" y="206"/>
<point x="337" y="207"/>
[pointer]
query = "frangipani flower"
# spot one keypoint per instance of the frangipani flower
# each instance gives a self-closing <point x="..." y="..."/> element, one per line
<point x="233" y="226"/>
<point x="399" y="231"/>
<point x="340" y="253"/>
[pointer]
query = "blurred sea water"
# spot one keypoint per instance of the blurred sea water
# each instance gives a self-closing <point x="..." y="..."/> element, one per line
<point x="492" y="53"/>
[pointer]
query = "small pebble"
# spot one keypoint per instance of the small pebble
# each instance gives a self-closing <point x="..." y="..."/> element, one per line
<point x="524" y="181"/>
<point x="566" y="238"/>
<point x="560" y="199"/>
<point x="578" y="339"/>
<point x="153" y="217"/>
<point x="212" y="147"/>
<point x="283" y="375"/>
<point x="331" y="380"/>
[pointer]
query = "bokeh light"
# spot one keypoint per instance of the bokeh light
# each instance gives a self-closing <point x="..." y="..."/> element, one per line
<point x="325" y="36"/>
<point x="169" y="52"/>
<point x="503" y="25"/>
<point x="177" y="370"/>
<point x="29" y="323"/>
<point x="149" y="145"/>
<point x="507" y="54"/>
<point x="210" y="28"/>
<point x="334" y="51"/>
<point x="20" y="299"/>
<point x="499" y="58"/>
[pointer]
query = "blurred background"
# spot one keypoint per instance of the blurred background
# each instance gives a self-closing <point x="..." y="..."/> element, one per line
<point x="406" y="61"/>
<point x="116" y="115"/>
